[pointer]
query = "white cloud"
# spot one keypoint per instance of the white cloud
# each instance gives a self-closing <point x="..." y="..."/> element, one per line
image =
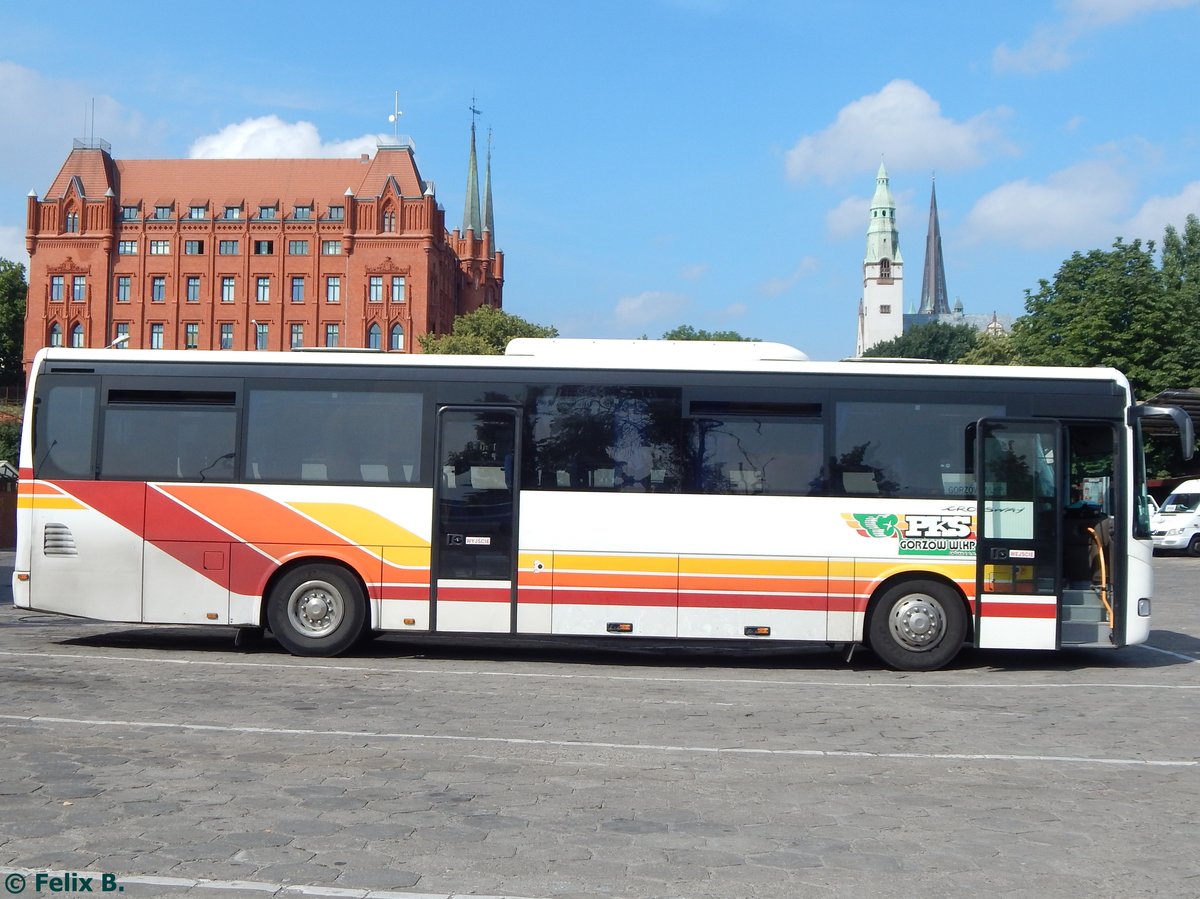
<point x="649" y="306"/>
<point x="1048" y="48"/>
<point x="42" y="115"/>
<point x="906" y="125"/>
<point x="12" y="246"/>
<point x="694" y="272"/>
<point x="1075" y="207"/>
<point x="1151" y="220"/>
<point x="269" y="137"/>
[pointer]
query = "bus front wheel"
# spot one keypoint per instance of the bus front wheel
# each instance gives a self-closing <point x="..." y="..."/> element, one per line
<point x="317" y="610"/>
<point x="918" y="626"/>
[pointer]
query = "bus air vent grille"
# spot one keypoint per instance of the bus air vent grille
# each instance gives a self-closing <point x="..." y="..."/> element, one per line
<point x="57" y="540"/>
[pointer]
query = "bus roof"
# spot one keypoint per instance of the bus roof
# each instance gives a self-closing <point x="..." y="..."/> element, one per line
<point x="558" y="353"/>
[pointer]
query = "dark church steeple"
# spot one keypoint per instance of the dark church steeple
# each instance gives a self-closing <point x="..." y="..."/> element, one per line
<point x="934" y="300"/>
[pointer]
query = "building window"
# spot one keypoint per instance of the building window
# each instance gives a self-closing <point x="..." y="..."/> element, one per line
<point x="127" y="248"/>
<point x="885" y="268"/>
<point x="121" y="335"/>
<point x="160" y="248"/>
<point x="337" y="213"/>
<point x="193" y="289"/>
<point x="79" y="288"/>
<point x="264" y="247"/>
<point x="331" y="334"/>
<point x="232" y="213"/>
<point x="331" y="248"/>
<point x="333" y="289"/>
<point x="227" y="288"/>
<point x="375" y="289"/>
<point x="156" y="337"/>
<point x="77" y="336"/>
<point x="56" y="287"/>
<point x="158" y="289"/>
<point x="162" y="212"/>
<point x="227" y="248"/>
<point x="261" y="332"/>
<point x="389" y="221"/>
<point x="193" y="248"/>
<point x="55" y="335"/>
<point x="226" y="335"/>
<point x="297" y="335"/>
<point x="297" y="289"/>
<point x="72" y="222"/>
<point x="197" y="212"/>
<point x="123" y="288"/>
<point x="266" y="212"/>
<point x="396" y="341"/>
<point x="302" y="213"/>
<point x="397" y="289"/>
<point x="263" y="289"/>
<point x="191" y="339"/>
<point x="374" y="337"/>
<point x="129" y="213"/>
<point x="885" y="309"/>
<point x="297" y="247"/>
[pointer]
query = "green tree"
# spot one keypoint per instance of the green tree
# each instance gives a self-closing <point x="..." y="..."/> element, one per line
<point x="687" y="332"/>
<point x="484" y="332"/>
<point x="1110" y="308"/>
<point x="13" y="291"/>
<point x="937" y="341"/>
<point x="991" y="349"/>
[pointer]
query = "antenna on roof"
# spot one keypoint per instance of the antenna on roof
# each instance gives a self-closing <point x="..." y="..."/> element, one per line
<point x="394" y="118"/>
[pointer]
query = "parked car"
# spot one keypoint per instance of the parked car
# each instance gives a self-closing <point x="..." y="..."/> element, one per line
<point x="1176" y="525"/>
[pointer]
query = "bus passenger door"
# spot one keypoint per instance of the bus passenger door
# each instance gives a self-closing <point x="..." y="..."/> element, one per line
<point x="1017" y="525"/>
<point x="474" y="527"/>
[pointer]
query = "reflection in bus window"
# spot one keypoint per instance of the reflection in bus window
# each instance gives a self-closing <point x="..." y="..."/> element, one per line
<point x="343" y="436"/>
<point x="905" y="449"/>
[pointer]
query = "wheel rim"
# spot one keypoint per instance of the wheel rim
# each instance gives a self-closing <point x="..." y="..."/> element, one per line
<point x="316" y="608"/>
<point x="918" y="622"/>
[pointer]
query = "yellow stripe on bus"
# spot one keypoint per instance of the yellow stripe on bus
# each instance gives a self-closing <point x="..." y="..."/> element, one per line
<point x="360" y="526"/>
<point x="48" y="501"/>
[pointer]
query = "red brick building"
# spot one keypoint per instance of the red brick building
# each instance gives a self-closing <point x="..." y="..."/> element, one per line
<point x="252" y="253"/>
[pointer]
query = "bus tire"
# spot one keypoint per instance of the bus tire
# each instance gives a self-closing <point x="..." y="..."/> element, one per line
<point x="1193" y="547"/>
<point x="917" y="626"/>
<point x="317" y="610"/>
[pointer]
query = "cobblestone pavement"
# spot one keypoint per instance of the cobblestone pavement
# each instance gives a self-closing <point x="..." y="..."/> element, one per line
<point x="186" y="767"/>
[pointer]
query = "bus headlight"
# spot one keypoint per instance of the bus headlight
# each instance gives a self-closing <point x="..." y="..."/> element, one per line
<point x="1143" y="608"/>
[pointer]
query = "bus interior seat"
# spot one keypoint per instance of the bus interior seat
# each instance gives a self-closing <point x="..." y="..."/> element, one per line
<point x="860" y="482"/>
<point x="313" y="471"/>
<point x="374" y="473"/>
<point x="488" y="477"/>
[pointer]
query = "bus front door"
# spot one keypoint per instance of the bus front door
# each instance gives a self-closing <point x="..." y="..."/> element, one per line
<point x="1017" y="527"/>
<point x="474" y="527"/>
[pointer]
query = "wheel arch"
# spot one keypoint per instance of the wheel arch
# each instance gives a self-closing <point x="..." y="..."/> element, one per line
<point x="900" y="577"/>
<point x="301" y="561"/>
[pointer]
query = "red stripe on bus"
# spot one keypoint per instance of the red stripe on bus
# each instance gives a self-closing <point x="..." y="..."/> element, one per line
<point x="1018" y="610"/>
<point x="474" y="594"/>
<point x="810" y="602"/>
<point x="614" y="598"/>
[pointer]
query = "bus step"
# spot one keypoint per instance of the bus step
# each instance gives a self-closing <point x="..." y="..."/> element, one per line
<point x="1086" y="633"/>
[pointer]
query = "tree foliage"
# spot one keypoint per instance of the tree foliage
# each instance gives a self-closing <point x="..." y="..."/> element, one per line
<point x="991" y="349"/>
<point x="687" y="332"/>
<point x="937" y="341"/>
<point x="484" y="332"/>
<point x="13" y="291"/>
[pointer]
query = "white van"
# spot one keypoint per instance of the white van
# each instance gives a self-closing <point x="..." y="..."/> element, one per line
<point x="1176" y="526"/>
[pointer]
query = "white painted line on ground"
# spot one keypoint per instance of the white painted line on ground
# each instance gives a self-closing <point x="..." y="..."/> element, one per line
<point x="44" y="720"/>
<point x="27" y="879"/>
<point x="1167" y="652"/>
<point x="921" y="681"/>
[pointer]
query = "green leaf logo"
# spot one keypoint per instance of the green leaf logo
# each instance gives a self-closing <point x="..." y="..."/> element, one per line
<point x="878" y="525"/>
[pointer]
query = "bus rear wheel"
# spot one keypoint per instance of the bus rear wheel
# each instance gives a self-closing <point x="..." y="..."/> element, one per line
<point x="917" y="626"/>
<point x="317" y="610"/>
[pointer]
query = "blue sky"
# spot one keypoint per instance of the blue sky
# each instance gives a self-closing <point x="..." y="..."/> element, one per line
<point x="657" y="162"/>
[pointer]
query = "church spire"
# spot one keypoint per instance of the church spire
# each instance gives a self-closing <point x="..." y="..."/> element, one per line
<point x="471" y="218"/>
<point x="934" y="300"/>
<point x="489" y="224"/>
<point x="883" y="238"/>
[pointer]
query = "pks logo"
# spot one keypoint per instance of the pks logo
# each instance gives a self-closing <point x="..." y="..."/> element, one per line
<point x="952" y="535"/>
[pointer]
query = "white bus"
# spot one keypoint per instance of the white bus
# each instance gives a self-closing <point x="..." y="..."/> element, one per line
<point x="602" y="489"/>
